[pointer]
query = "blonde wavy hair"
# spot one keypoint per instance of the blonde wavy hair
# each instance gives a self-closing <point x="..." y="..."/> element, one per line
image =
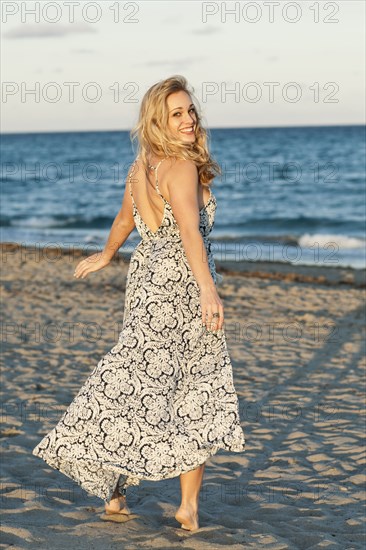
<point x="154" y="137"/>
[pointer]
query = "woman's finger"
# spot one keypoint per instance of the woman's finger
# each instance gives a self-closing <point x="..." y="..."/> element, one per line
<point x="86" y="262"/>
<point x="211" y="320"/>
<point x="85" y="266"/>
<point x="221" y="318"/>
<point x="217" y="321"/>
<point x="209" y="316"/>
<point x="204" y="313"/>
<point x="82" y="272"/>
<point x="214" y="322"/>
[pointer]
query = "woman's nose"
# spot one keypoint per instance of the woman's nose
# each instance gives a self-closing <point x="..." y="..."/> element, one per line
<point x="188" y="119"/>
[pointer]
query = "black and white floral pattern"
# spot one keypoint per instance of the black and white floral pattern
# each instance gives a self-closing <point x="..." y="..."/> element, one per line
<point x="162" y="400"/>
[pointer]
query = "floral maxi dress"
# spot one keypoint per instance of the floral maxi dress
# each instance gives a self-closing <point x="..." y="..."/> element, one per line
<point x="162" y="400"/>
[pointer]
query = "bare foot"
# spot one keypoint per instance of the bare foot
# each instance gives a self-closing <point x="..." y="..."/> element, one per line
<point x="188" y="517"/>
<point x="117" y="505"/>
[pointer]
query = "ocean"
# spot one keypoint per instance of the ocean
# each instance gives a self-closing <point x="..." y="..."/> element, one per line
<point x="295" y="195"/>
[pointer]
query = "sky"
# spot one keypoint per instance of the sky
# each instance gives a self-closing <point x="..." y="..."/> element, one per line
<point x="265" y="64"/>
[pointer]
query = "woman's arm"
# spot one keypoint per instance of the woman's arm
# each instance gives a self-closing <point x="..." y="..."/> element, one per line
<point x="121" y="228"/>
<point x="183" y="193"/>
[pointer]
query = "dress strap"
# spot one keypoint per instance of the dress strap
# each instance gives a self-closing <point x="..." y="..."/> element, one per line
<point x="156" y="179"/>
<point x="130" y="176"/>
<point x="155" y="168"/>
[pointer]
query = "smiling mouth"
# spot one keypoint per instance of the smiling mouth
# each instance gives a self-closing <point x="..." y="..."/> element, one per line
<point x="189" y="130"/>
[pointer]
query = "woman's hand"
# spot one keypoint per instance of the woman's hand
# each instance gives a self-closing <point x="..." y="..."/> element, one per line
<point x="89" y="265"/>
<point x="211" y="304"/>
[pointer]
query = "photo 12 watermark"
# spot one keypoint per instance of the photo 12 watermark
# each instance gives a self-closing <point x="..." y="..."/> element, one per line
<point x="72" y="12"/>
<point x="248" y="12"/>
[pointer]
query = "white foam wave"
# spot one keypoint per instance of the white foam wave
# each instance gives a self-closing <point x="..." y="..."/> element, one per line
<point x="93" y="237"/>
<point x="45" y="222"/>
<point x="342" y="241"/>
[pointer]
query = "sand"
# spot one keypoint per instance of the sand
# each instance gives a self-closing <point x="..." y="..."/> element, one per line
<point x="297" y="342"/>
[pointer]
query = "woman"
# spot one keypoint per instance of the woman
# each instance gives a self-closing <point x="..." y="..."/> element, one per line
<point x="162" y="400"/>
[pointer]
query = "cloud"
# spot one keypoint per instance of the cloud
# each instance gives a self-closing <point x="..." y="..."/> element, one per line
<point x="175" y="63"/>
<point x="83" y="51"/>
<point x="45" y="30"/>
<point x="206" y="30"/>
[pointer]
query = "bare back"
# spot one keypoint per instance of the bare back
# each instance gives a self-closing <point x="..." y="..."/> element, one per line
<point x="145" y="191"/>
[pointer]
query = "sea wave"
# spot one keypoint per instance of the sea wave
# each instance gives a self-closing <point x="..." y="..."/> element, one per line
<point x="60" y="221"/>
<point x="342" y="241"/>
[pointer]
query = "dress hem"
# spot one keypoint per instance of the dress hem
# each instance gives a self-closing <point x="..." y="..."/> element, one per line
<point x="132" y="479"/>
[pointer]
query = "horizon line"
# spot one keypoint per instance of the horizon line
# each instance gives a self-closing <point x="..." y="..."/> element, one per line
<point x="207" y="128"/>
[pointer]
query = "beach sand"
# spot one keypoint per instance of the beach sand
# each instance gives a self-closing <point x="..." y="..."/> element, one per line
<point x="296" y="338"/>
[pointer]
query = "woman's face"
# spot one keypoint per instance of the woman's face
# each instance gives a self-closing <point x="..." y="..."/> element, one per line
<point x="182" y="119"/>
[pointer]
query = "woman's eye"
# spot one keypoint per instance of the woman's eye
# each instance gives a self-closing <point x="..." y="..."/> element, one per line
<point x="192" y="109"/>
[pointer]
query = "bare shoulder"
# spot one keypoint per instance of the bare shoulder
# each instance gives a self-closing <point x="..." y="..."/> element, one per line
<point x="177" y="166"/>
<point x="181" y="174"/>
<point x="182" y="184"/>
